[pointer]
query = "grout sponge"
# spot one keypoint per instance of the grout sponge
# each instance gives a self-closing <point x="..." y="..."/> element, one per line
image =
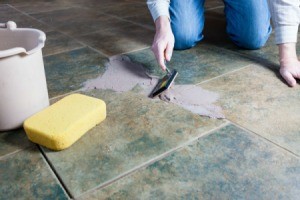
<point x="63" y="123"/>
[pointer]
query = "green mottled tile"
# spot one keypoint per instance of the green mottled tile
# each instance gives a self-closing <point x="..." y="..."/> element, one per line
<point x="127" y="10"/>
<point x="25" y="175"/>
<point x="119" y="39"/>
<point x="8" y="13"/>
<point x="227" y="164"/>
<point x="66" y="72"/>
<point x="136" y="130"/>
<point x="258" y="99"/>
<point x="101" y="5"/>
<point x="143" y="20"/>
<point x="267" y="54"/>
<point x="57" y="43"/>
<point x="79" y="21"/>
<point x="41" y="6"/>
<point x="194" y="65"/>
<point x="12" y="141"/>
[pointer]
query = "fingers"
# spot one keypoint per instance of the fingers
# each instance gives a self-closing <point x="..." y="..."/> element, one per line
<point x="158" y="50"/>
<point x="161" y="56"/>
<point x="288" y="77"/>
<point x="169" y="51"/>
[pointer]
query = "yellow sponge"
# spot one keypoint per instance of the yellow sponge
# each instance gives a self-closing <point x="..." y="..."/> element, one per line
<point x="63" y="123"/>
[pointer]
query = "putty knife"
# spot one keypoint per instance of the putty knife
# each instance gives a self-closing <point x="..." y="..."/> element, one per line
<point x="164" y="83"/>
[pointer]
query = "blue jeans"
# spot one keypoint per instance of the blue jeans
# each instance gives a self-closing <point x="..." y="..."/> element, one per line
<point x="248" y="22"/>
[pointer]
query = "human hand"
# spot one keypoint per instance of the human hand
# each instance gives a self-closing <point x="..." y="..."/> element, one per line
<point x="163" y="42"/>
<point x="289" y="63"/>
<point x="290" y="71"/>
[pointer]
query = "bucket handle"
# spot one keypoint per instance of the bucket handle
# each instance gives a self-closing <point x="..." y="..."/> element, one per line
<point x="9" y="25"/>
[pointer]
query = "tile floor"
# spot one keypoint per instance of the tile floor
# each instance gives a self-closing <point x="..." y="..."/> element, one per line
<point x="147" y="149"/>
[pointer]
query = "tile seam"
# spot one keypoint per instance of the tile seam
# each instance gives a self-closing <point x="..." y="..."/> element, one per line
<point x="6" y="156"/>
<point x="78" y="41"/>
<point x="129" y="21"/>
<point x="55" y="173"/>
<point x="62" y="95"/>
<point x="133" y="51"/>
<point x="225" y="74"/>
<point x="260" y="61"/>
<point x="33" y="13"/>
<point x="268" y="141"/>
<point x="51" y="28"/>
<point x="153" y="160"/>
<point x="52" y="54"/>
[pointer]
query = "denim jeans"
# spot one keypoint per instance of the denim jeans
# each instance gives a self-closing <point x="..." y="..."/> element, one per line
<point x="248" y="22"/>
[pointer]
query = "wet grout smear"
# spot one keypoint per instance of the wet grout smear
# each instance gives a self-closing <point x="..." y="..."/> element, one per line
<point x="123" y="75"/>
<point x="194" y="99"/>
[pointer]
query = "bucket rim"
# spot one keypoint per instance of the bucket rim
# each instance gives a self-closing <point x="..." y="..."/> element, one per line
<point x="11" y="26"/>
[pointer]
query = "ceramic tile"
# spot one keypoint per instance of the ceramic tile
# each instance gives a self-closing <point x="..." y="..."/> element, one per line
<point x="79" y="21"/>
<point x="12" y="141"/>
<point x="227" y="164"/>
<point x="41" y="6"/>
<point x="127" y="10"/>
<point x="136" y="130"/>
<point x="195" y="65"/>
<point x="143" y="20"/>
<point x="101" y="5"/>
<point x="57" y="42"/>
<point x="66" y="72"/>
<point x="119" y="40"/>
<point x="8" y="13"/>
<point x="25" y="175"/>
<point x="258" y="99"/>
<point x="267" y="54"/>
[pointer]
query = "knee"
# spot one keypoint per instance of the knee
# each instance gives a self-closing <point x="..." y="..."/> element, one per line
<point x="253" y="40"/>
<point x="187" y="21"/>
<point x="185" y="40"/>
<point x="252" y="29"/>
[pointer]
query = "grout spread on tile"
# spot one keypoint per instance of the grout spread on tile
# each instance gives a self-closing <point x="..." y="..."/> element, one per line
<point x="194" y="99"/>
<point x="123" y="75"/>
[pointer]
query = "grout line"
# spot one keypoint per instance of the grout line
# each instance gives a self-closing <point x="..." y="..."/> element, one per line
<point x="59" y="179"/>
<point x="153" y="160"/>
<point x="4" y="157"/>
<point x="64" y="51"/>
<point x="64" y="8"/>
<point x="24" y="13"/>
<point x="78" y="41"/>
<point x="100" y="52"/>
<point x="259" y="61"/>
<point x="264" y="138"/>
<point x="227" y="73"/>
<point x="62" y="95"/>
<point x="135" y="50"/>
<point x="126" y="20"/>
<point x="54" y="29"/>
<point x="81" y="42"/>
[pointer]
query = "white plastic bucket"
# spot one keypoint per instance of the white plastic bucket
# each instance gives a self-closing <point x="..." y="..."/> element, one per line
<point x="23" y="88"/>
